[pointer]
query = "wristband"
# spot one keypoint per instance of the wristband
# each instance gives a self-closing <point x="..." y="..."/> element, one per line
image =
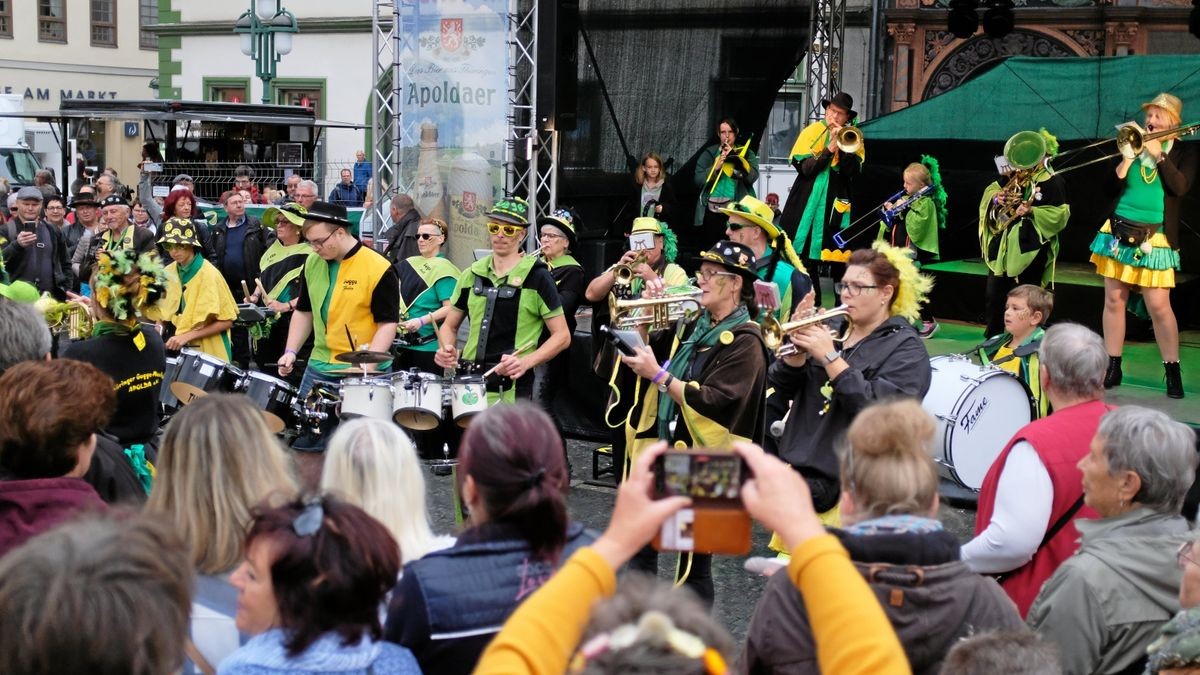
<point x="659" y="376"/>
<point x="293" y="352"/>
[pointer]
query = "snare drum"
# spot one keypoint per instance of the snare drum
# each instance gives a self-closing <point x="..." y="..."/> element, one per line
<point x="978" y="410"/>
<point x="273" y="396"/>
<point x="366" y="397"/>
<point x="198" y="373"/>
<point x="418" y="403"/>
<point x="468" y="398"/>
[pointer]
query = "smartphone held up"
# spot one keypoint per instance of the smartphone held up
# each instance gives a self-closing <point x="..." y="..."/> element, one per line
<point x="716" y="522"/>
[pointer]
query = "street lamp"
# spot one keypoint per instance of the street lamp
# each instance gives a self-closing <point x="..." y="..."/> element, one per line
<point x="266" y="30"/>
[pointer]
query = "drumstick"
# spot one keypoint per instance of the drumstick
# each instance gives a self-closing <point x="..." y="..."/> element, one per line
<point x="262" y="292"/>
<point x="517" y="352"/>
<point x="245" y="288"/>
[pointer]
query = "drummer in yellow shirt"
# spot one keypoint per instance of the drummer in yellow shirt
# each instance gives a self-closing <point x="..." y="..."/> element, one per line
<point x="1015" y="350"/>
<point x="198" y="302"/>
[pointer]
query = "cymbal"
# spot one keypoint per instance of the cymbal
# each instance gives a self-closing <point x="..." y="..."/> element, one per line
<point x="362" y="356"/>
<point x="357" y="371"/>
<point x="274" y="422"/>
<point x="186" y="393"/>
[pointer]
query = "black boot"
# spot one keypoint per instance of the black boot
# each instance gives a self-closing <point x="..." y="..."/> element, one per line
<point x="1174" y="379"/>
<point x="1112" y="376"/>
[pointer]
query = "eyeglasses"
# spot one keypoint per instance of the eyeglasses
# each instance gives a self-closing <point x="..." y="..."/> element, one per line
<point x="852" y="289"/>
<point x="309" y="521"/>
<point x="318" y="243"/>
<point x="734" y="227"/>
<point x="707" y="275"/>
<point x="1183" y="555"/>
<point x="552" y="235"/>
<point x="425" y="235"/>
<point x="508" y="230"/>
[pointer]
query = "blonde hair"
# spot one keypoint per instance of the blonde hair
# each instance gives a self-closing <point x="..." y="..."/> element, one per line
<point x="920" y="172"/>
<point x="218" y="460"/>
<point x="886" y="463"/>
<point x="373" y="465"/>
<point x="639" y="174"/>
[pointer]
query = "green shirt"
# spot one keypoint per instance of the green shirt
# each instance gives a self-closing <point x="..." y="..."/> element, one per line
<point x="1142" y="201"/>
<point x="517" y="320"/>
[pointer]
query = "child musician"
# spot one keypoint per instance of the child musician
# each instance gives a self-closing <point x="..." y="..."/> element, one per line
<point x="912" y="218"/>
<point x="1016" y="349"/>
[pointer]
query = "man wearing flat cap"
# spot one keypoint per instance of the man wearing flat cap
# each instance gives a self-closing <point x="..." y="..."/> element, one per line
<point x="33" y="250"/>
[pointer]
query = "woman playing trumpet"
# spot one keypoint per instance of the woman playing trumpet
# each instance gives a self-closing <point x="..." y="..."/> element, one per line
<point x="1137" y="248"/>
<point x="704" y="381"/>
<point x="881" y="357"/>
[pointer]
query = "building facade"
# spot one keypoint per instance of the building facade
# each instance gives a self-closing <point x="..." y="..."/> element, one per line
<point x="329" y="67"/>
<point x="56" y="50"/>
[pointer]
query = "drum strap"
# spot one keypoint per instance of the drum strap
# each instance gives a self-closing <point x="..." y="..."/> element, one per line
<point x="491" y="294"/>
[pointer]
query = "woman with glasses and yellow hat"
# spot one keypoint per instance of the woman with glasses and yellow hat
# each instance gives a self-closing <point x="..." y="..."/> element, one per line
<point x="198" y="303"/>
<point x="752" y="224"/>
<point x="1137" y="249"/>
<point x="510" y="299"/>
<point x="705" y="381"/>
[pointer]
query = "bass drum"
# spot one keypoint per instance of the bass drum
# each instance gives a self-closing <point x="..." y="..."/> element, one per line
<point x="978" y="410"/>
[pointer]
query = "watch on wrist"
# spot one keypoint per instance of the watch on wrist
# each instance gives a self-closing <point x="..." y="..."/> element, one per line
<point x="832" y="356"/>
<point x="662" y="386"/>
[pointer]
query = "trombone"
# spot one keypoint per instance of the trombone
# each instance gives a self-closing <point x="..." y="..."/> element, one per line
<point x="774" y="332"/>
<point x="849" y="139"/>
<point x="1130" y="140"/>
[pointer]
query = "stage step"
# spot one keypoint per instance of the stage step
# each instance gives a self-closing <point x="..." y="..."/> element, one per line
<point x="959" y="286"/>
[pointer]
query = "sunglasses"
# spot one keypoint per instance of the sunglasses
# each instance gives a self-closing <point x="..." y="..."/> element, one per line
<point x="309" y="521"/>
<point x="425" y="235"/>
<point x="508" y="230"/>
<point x="734" y="227"/>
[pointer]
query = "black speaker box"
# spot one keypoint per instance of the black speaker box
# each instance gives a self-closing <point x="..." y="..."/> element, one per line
<point x="557" y="64"/>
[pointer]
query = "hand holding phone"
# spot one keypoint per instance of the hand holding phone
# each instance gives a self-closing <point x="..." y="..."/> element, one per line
<point x="717" y="522"/>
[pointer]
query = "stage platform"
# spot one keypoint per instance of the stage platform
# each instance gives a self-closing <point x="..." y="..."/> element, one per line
<point x="959" y="285"/>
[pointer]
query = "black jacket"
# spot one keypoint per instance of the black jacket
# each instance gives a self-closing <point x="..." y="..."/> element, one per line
<point x="450" y="604"/>
<point x="889" y="363"/>
<point x="402" y="238"/>
<point x="22" y="262"/>
<point x="258" y="240"/>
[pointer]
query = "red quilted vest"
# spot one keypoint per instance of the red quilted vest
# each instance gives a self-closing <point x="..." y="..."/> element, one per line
<point x="1061" y="440"/>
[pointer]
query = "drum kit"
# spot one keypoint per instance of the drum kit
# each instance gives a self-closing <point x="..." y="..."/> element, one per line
<point x="978" y="409"/>
<point x="412" y="399"/>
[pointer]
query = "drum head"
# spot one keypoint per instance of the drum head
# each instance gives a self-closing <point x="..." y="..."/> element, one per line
<point x="274" y="423"/>
<point x="987" y="417"/>
<point x="416" y="420"/>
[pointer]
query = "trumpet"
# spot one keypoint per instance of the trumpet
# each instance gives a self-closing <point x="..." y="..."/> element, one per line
<point x="623" y="274"/>
<point x="774" y="332"/>
<point x="653" y="313"/>
<point x="849" y="139"/>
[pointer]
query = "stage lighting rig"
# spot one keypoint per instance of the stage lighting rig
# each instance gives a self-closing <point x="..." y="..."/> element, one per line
<point x="998" y="20"/>
<point x="963" y="20"/>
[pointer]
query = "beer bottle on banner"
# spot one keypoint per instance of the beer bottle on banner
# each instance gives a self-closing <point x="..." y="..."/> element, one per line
<point x="470" y="198"/>
<point x="430" y="192"/>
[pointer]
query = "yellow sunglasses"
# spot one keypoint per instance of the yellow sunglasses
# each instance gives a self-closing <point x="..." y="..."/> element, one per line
<point x="508" y="230"/>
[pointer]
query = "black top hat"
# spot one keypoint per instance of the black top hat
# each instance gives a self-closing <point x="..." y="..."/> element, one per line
<point x="734" y="257"/>
<point x="841" y="100"/>
<point x="334" y="214"/>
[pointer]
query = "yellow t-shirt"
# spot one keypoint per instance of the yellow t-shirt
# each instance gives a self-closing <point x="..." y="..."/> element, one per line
<point x="1010" y="365"/>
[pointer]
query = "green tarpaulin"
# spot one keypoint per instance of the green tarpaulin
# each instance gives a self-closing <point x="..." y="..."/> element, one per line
<point x="1074" y="98"/>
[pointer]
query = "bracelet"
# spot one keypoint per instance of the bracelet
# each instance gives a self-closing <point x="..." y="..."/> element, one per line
<point x="293" y="352"/>
<point x="423" y="319"/>
<point x="661" y="373"/>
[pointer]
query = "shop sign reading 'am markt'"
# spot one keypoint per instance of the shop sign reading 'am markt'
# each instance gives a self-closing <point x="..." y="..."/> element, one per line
<point x="44" y="93"/>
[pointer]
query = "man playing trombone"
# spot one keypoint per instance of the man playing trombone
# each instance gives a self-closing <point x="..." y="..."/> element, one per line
<point x="828" y="156"/>
<point x="1137" y="247"/>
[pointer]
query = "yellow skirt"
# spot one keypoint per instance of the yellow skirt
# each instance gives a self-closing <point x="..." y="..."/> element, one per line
<point x="1153" y="269"/>
<point x="1133" y="276"/>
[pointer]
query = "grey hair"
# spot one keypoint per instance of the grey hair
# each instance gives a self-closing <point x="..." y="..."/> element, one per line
<point x="309" y="184"/>
<point x="1009" y="652"/>
<point x="24" y="335"/>
<point x="1074" y="359"/>
<point x="1161" y="451"/>
<point x="402" y="202"/>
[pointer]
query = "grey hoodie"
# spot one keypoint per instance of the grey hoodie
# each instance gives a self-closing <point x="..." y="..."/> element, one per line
<point x="1105" y="604"/>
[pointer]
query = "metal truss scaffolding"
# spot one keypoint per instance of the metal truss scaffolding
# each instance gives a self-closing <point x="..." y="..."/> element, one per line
<point x="823" y="64"/>
<point x="531" y="153"/>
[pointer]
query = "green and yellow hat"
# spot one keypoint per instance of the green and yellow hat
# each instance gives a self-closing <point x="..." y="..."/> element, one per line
<point x="291" y="212"/>
<point x="180" y="232"/>
<point x="512" y="210"/>
<point x="20" y="291"/>
<point x="755" y="212"/>
<point x="563" y="219"/>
